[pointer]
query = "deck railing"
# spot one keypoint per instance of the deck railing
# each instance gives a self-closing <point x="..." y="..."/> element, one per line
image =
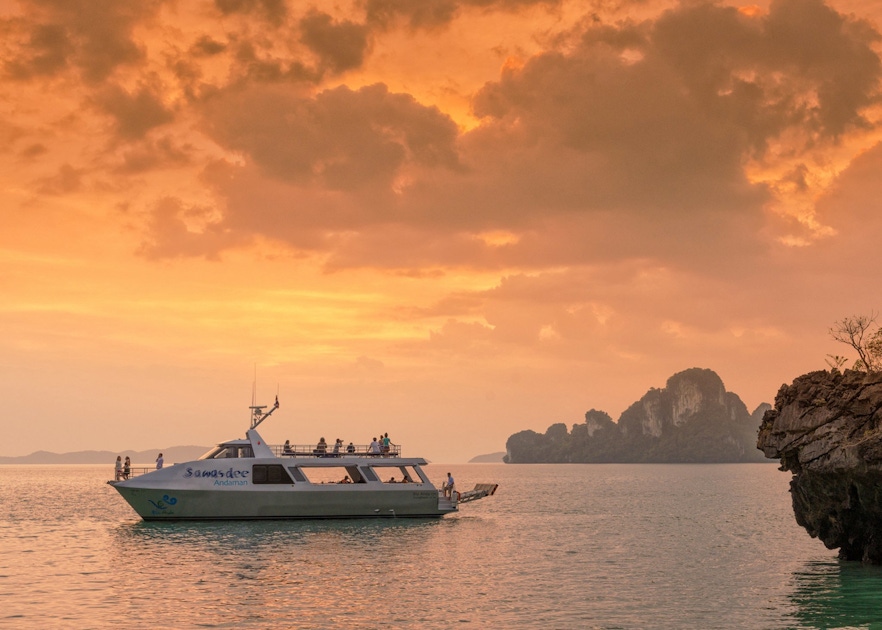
<point x="295" y="450"/>
<point x="134" y="471"/>
<point x="311" y="450"/>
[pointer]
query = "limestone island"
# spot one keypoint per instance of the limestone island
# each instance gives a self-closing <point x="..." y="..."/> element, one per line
<point x="826" y="428"/>
<point x="693" y="419"/>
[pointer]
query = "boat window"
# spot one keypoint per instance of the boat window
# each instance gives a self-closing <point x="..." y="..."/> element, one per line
<point x="295" y="472"/>
<point x="328" y="474"/>
<point x="369" y="474"/>
<point x="212" y="453"/>
<point x="229" y="451"/>
<point x="269" y="473"/>
<point x="409" y="474"/>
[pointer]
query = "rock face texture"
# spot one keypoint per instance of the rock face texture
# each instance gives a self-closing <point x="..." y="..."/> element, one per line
<point x="826" y="428"/>
<point x="692" y="419"/>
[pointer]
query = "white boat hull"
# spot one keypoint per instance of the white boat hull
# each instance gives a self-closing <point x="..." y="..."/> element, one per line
<point x="165" y="504"/>
<point x="212" y="494"/>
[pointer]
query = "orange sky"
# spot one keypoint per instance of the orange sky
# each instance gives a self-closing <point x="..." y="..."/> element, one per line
<point x="448" y="220"/>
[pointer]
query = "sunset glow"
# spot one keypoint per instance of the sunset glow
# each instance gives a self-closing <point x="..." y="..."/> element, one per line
<point x="447" y="221"/>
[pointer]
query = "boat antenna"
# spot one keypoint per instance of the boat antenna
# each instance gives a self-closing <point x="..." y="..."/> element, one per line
<point x="254" y="387"/>
<point x="258" y="414"/>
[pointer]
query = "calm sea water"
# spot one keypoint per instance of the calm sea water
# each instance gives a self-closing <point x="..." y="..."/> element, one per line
<point x="559" y="546"/>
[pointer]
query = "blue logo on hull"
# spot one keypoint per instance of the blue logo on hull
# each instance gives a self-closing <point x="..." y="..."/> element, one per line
<point x="163" y="506"/>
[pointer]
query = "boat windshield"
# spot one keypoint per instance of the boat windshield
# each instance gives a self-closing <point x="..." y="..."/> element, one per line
<point x="229" y="451"/>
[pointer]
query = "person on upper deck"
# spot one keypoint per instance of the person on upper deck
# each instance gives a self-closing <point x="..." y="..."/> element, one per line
<point x="127" y="468"/>
<point x="350" y="448"/>
<point x="337" y="446"/>
<point x="159" y="462"/>
<point x="374" y="448"/>
<point x="322" y="447"/>
<point x="386" y="443"/>
<point x="287" y="448"/>
<point x="118" y="471"/>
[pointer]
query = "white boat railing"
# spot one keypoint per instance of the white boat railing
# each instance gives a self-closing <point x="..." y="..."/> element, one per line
<point x="311" y="450"/>
<point x="293" y="451"/>
<point x="134" y="471"/>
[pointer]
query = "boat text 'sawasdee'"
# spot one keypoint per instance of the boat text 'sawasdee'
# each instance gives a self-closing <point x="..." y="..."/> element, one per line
<point x="250" y="479"/>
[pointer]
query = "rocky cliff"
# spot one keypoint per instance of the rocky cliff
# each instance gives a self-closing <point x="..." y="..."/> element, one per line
<point x="692" y="419"/>
<point x="826" y="428"/>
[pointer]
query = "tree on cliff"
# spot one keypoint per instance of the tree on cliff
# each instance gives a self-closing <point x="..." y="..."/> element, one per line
<point x="858" y="332"/>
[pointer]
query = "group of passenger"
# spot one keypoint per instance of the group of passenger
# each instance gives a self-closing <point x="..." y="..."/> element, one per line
<point x="405" y="479"/>
<point x="382" y="446"/>
<point x="321" y="449"/>
<point x="123" y="469"/>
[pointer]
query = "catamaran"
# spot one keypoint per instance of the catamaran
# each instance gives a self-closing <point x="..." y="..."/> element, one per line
<point x="250" y="479"/>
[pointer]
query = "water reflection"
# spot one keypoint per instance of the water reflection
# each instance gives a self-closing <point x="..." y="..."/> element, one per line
<point x="265" y="530"/>
<point x="836" y="594"/>
<point x="265" y="537"/>
<point x="318" y="572"/>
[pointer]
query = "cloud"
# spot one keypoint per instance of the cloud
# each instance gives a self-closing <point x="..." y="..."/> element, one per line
<point x="151" y="155"/>
<point x="851" y="208"/>
<point x="45" y="53"/>
<point x="134" y="113"/>
<point x="205" y="46"/>
<point x="274" y="11"/>
<point x="341" y="139"/>
<point x="433" y="14"/>
<point x="94" y="36"/>
<point x="175" y="229"/>
<point x="67" y="180"/>
<point x="34" y="150"/>
<point x="619" y="142"/>
<point x="427" y="14"/>
<point x="802" y="64"/>
<point x="340" y="46"/>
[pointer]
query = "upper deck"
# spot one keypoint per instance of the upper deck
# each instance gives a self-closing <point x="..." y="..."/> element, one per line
<point x="234" y="449"/>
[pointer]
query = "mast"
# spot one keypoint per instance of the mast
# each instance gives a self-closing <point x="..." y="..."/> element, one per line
<point x="257" y="411"/>
<point x="258" y="414"/>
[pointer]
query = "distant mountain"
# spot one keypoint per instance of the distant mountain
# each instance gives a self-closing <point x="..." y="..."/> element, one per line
<point x="692" y="419"/>
<point x="170" y="455"/>
<point x="490" y="458"/>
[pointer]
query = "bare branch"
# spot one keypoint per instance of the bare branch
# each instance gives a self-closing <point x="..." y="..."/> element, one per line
<point x="856" y="331"/>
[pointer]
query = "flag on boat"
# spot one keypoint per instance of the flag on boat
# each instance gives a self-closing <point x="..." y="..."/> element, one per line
<point x="277" y="401"/>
